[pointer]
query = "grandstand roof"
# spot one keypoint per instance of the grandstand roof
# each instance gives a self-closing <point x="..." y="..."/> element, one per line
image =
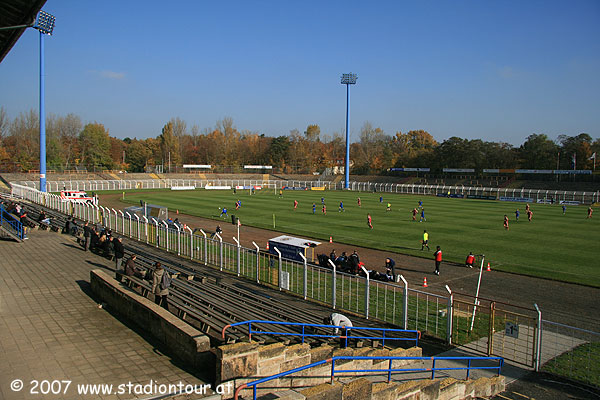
<point x="13" y="13"/>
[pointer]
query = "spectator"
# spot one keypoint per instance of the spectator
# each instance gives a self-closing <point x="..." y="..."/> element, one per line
<point x="340" y="321"/>
<point x="86" y="236"/>
<point x="67" y="227"/>
<point x="119" y="252"/>
<point x="390" y="264"/>
<point x="218" y="230"/>
<point x="158" y="286"/>
<point x="132" y="270"/>
<point x="353" y="261"/>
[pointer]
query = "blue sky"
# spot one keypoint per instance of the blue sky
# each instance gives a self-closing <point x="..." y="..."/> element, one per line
<point x="495" y="70"/>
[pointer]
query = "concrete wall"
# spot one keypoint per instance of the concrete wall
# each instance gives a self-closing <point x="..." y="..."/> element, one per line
<point x="184" y="341"/>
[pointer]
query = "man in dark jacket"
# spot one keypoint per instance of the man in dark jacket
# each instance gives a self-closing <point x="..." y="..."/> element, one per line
<point x="119" y="252"/>
<point x="391" y="265"/>
<point x="86" y="236"/>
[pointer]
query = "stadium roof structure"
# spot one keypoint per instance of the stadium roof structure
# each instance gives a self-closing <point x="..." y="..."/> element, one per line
<point x="15" y="13"/>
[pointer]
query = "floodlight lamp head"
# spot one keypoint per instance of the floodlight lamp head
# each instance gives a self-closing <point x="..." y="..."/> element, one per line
<point x="45" y="23"/>
<point x="349" y="79"/>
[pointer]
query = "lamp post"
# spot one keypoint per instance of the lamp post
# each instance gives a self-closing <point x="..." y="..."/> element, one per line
<point x="44" y="24"/>
<point x="347" y="79"/>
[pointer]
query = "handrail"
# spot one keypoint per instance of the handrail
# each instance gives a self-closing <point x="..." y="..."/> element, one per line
<point x="388" y="370"/>
<point x="303" y="334"/>
<point x="14" y="223"/>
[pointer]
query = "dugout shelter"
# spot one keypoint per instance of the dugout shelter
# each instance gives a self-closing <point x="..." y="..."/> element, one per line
<point x="290" y="247"/>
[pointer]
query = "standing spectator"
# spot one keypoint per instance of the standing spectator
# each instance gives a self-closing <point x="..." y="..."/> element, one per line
<point x="119" y="252"/>
<point x="160" y="285"/>
<point x="369" y="221"/>
<point x="86" y="236"/>
<point x="470" y="260"/>
<point x="438" y="260"/>
<point x="67" y="227"/>
<point x="391" y="265"/>
<point x="353" y="261"/>
<point x="425" y="242"/>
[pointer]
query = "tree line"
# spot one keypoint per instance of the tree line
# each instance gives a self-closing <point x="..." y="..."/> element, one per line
<point x="72" y="143"/>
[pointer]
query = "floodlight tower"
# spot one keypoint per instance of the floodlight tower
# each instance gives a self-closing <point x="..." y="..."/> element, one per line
<point x="347" y="79"/>
<point x="44" y="24"/>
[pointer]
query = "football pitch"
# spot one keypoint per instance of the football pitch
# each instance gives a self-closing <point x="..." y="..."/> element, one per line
<point x="553" y="245"/>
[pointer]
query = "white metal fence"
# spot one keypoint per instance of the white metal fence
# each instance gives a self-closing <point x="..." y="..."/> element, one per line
<point x="527" y="195"/>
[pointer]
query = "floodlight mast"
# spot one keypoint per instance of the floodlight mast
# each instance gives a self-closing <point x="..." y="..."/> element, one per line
<point x="347" y="79"/>
<point x="44" y="24"/>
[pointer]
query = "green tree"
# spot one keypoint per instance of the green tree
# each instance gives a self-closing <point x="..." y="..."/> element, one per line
<point x="278" y="151"/>
<point x="580" y="146"/>
<point x="137" y="156"/>
<point x="312" y="133"/>
<point x="169" y="146"/>
<point x="95" y="146"/>
<point x="538" y="152"/>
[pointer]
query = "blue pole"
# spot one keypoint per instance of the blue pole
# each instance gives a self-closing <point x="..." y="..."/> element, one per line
<point x="42" y="119"/>
<point x="347" y="168"/>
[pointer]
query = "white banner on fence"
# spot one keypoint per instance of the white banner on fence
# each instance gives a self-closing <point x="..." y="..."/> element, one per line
<point x="207" y="187"/>
<point x="183" y="187"/>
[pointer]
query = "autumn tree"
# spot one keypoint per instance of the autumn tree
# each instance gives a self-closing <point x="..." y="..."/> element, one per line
<point x="169" y="146"/>
<point x="95" y="146"/>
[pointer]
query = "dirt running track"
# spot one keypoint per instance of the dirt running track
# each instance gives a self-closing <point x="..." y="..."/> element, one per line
<point x="560" y="302"/>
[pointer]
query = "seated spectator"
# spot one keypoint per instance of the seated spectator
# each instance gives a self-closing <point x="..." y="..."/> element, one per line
<point x="132" y="270"/>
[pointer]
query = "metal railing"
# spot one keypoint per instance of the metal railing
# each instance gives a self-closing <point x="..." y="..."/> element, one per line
<point x="11" y="223"/>
<point x="348" y="331"/>
<point x="388" y="371"/>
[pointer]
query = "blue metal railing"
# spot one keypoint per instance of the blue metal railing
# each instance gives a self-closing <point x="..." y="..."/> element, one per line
<point x="12" y="223"/>
<point x="385" y="332"/>
<point x="388" y="370"/>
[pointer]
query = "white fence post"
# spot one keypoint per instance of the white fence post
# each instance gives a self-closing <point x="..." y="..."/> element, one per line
<point x="220" y="251"/>
<point x="238" y="255"/>
<point x="305" y="283"/>
<point x="166" y="235"/>
<point x="205" y="247"/>
<point x="367" y="289"/>
<point x="280" y="268"/>
<point x="257" y="262"/>
<point x="449" y="312"/>
<point x="333" y="279"/>
<point x="191" y="242"/>
<point x="538" y="339"/>
<point x="405" y="302"/>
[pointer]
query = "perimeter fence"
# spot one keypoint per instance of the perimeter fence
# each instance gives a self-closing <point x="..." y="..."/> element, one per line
<point x="485" y="326"/>
<point x="460" y="191"/>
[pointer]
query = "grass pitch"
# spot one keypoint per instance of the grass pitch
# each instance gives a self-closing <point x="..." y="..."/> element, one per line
<point x="552" y="245"/>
